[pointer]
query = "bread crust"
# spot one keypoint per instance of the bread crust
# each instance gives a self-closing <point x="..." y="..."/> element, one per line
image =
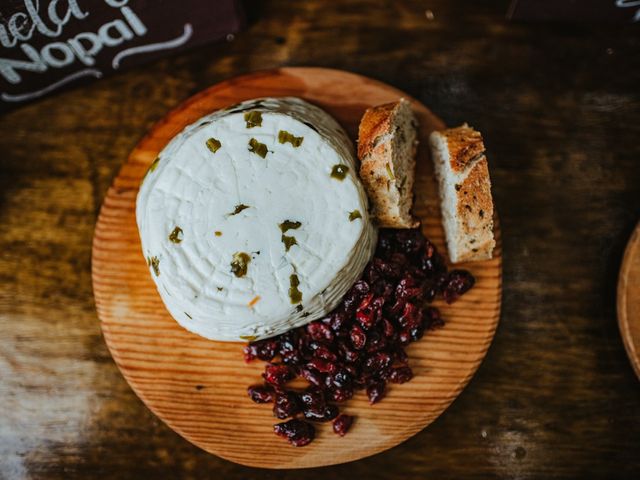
<point x="475" y="205"/>
<point x="465" y="145"/>
<point x="375" y="122"/>
<point x="375" y="154"/>
<point x="473" y="213"/>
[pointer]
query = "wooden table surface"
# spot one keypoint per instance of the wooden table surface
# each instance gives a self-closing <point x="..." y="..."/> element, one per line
<point x="559" y="106"/>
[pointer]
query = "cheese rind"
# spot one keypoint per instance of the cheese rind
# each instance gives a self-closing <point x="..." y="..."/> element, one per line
<point x="232" y="200"/>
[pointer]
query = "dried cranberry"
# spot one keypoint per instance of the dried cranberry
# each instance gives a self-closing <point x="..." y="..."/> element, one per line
<point x="352" y="370"/>
<point x="341" y="394"/>
<point x="298" y="432"/>
<point x="386" y="243"/>
<point x="376" y="342"/>
<point x="377" y="304"/>
<point x="347" y="353"/>
<point x="293" y="358"/>
<point x="359" y="290"/>
<point x="322" y="366"/>
<point x="342" y="424"/>
<point x="377" y="362"/>
<point x="432" y="318"/>
<point x="400" y="356"/>
<point x="360" y="381"/>
<point x="404" y="337"/>
<point x="398" y="258"/>
<point x="366" y="301"/>
<point x="408" y="289"/>
<point x="328" y="412"/>
<point x="411" y="316"/>
<point x="260" y="393"/>
<point x="387" y="328"/>
<point x="439" y="281"/>
<point x="457" y="283"/>
<point x="312" y="376"/>
<point x="410" y="241"/>
<point x="400" y="375"/>
<point x="358" y="337"/>
<point x="416" y="332"/>
<point x="277" y="375"/>
<point x="397" y="308"/>
<point x="289" y="342"/>
<point x="429" y="292"/>
<point x="366" y="317"/>
<point x="286" y="404"/>
<point x="340" y="379"/>
<point x="375" y="392"/>
<point x="263" y="349"/>
<point x="430" y="266"/>
<point x="349" y="305"/>
<point x="337" y="320"/>
<point x="268" y="349"/>
<point x="430" y="252"/>
<point x="371" y="273"/>
<point x="383" y="289"/>
<point x="319" y="331"/>
<point x="313" y="397"/>
<point x="390" y="270"/>
<point x="322" y="351"/>
<point x="429" y="249"/>
<point x="250" y="352"/>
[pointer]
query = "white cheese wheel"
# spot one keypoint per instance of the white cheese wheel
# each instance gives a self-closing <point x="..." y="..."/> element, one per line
<point x="222" y="188"/>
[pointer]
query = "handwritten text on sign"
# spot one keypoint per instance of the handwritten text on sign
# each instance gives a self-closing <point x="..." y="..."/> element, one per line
<point x="46" y="44"/>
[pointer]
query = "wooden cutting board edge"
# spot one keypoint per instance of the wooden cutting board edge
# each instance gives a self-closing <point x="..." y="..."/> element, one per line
<point x="628" y="298"/>
<point x="147" y="144"/>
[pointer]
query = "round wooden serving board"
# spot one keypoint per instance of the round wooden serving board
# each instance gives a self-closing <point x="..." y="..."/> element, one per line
<point x="197" y="386"/>
<point x="629" y="299"/>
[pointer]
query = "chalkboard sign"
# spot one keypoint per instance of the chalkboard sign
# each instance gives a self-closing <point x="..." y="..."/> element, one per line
<point x="576" y="10"/>
<point x="46" y="45"/>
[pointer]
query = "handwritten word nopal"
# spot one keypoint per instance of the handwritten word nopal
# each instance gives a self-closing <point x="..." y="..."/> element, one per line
<point x="49" y="19"/>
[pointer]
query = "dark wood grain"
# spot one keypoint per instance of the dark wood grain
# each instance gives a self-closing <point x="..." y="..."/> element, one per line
<point x="559" y="106"/>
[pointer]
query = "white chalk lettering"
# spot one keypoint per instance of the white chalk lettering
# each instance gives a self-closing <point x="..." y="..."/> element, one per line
<point x="16" y="28"/>
<point x="22" y="97"/>
<point x="83" y="46"/>
<point x="116" y="3"/>
<point x="49" y="18"/>
<point x="120" y="27"/>
<point x="48" y="54"/>
<point x="23" y="25"/>
<point x="86" y="45"/>
<point x="8" y="66"/>
<point x="134" y="21"/>
<point x="154" y="47"/>
<point x="35" y="18"/>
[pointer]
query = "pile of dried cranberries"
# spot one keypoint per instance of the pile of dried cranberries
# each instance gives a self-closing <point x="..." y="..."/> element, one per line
<point x="360" y="345"/>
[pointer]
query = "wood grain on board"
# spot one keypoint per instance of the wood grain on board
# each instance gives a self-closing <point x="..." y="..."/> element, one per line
<point x="198" y="387"/>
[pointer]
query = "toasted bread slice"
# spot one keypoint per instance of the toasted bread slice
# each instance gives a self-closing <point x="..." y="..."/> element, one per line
<point x="465" y="193"/>
<point x="387" y="147"/>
